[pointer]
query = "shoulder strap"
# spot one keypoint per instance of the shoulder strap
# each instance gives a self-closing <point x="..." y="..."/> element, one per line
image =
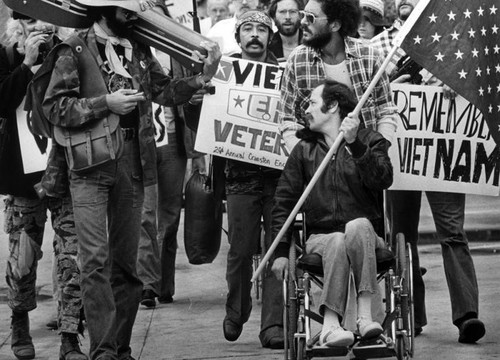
<point x="91" y="80"/>
<point x="9" y="50"/>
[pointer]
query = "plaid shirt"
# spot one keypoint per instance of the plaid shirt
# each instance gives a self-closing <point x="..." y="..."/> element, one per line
<point x="305" y="70"/>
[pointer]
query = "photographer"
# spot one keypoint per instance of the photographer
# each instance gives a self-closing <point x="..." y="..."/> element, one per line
<point x="25" y="212"/>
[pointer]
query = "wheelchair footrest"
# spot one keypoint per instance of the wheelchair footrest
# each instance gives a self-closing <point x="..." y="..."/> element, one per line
<point x="326" y="351"/>
<point x="380" y="347"/>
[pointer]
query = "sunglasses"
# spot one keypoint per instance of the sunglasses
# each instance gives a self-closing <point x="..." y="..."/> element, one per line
<point x="310" y="17"/>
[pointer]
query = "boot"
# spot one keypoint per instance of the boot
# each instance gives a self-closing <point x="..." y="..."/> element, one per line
<point x="70" y="348"/>
<point x="21" y="343"/>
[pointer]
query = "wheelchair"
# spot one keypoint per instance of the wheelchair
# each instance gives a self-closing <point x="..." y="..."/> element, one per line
<point x="394" y="268"/>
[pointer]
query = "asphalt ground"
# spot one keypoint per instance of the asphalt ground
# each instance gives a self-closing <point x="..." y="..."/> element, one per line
<point x="191" y="327"/>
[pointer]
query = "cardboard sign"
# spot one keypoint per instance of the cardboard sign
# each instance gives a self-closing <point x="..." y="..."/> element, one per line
<point x="442" y="145"/>
<point x="240" y="120"/>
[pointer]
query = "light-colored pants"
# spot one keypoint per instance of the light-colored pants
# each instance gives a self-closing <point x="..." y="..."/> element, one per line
<point x="341" y="252"/>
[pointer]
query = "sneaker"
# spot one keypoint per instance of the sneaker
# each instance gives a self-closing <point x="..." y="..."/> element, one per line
<point x="337" y="337"/>
<point x="471" y="330"/>
<point x="368" y="329"/>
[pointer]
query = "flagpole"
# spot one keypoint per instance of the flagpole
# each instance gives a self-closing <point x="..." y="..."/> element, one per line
<point x="322" y="166"/>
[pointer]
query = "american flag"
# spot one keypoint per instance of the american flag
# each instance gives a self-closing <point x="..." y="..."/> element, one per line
<point x="459" y="42"/>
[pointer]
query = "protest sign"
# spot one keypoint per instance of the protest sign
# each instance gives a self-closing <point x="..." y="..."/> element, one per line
<point x="34" y="149"/>
<point x="240" y="120"/>
<point x="441" y="144"/>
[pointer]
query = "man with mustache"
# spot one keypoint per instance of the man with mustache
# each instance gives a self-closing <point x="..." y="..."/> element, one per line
<point x="223" y="31"/>
<point x="329" y="51"/>
<point x="250" y="191"/>
<point x="108" y="199"/>
<point x="285" y="14"/>
<point x="448" y="211"/>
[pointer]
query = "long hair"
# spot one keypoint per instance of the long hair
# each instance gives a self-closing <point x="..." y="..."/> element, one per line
<point x="347" y="12"/>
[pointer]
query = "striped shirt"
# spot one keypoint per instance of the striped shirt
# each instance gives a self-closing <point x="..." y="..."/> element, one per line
<point x="305" y="70"/>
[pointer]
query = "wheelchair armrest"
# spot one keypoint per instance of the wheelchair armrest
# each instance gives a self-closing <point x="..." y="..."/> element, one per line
<point x="311" y="263"/>
<point x="385" y="259"/>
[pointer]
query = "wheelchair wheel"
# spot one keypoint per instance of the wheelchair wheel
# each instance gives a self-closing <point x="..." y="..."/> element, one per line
<point x="404" y="332"/>
<point x="291" y="304"/>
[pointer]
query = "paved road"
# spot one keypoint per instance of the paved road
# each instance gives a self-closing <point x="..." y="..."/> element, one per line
<point x="190" y="328"/>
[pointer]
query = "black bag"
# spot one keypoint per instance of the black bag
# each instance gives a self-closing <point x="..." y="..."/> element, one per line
<point x="203" y="220"/>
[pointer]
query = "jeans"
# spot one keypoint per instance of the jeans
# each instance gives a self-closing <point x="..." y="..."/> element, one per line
<point x="160" y="222"/>
<point x="108" y="200"/>
<point x="448" y="213"/>
<point x="340" y="253"/>
<point x="244" y="218"/>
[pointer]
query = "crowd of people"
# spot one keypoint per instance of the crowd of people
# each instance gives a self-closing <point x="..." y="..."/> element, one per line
<point x="116" y="223"/>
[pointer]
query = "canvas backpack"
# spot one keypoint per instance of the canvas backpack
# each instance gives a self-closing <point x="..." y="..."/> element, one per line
<point x="91" y="144"/>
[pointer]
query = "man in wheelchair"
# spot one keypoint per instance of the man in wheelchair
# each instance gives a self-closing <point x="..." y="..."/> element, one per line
<point x="343" y="209"/>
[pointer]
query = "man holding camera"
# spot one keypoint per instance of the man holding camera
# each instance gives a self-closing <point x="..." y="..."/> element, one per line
<point x="26" y="211"/>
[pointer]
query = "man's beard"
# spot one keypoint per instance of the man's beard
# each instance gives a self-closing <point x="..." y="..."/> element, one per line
<point x="319" y="40"/>
<point x="118" y="28"/>
<point x="288" y="31"/>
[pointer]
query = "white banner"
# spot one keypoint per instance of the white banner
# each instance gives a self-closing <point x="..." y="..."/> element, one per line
<point x="34" y="149"/>
<point x="179" y="10"/>
<point x="442" y="145"/>
<point x="240" y="120"/>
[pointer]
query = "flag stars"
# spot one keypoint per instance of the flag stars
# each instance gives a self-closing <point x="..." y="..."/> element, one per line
<point x="480" y="11"/>
<point x="498" y="89"/>
<point x="417" y="39"/>
<point x="432" y="18"/>
<point x="489" y="89"/>
<point x="462" y="74"/>
<point x="490" y="109"/>
<point x="483" y="31"/>
<point x="496" y="49"/>
<point x="488" y="70"/>
<point x="493" y="10"/>
<point x="454" y="36"/>
<point x="436" y="37"/>
<point x="486" y="50"/>
<point x="451" y="16"/>
<point x="481" y="91"/>
<point x="474" y="52"/>
<point x="439" y="56"/>
<point x="478" y="72"/>
<point x="494" y="29"/>
<point x="472" y="33"/>
<point x="467" y="14"/>
<point x="459" y="54"/>
<point x="497" y="68"/>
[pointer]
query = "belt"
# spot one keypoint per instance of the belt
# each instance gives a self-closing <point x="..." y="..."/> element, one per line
<point x="129" y="133"/>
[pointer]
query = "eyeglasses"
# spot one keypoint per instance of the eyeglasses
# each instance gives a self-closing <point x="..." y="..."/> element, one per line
<point x="310" y="17"/>
<point x="289" y="13"/>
